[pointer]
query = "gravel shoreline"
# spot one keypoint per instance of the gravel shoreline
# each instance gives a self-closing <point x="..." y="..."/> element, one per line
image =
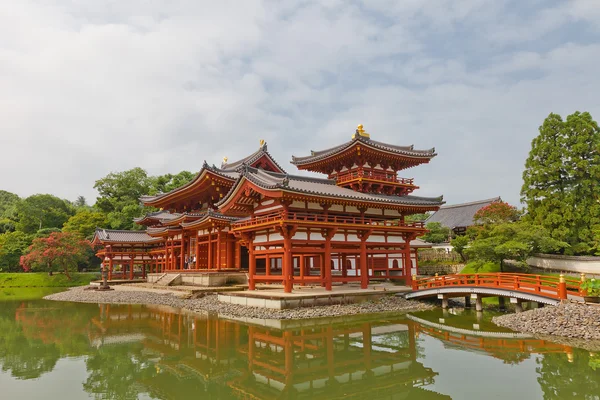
<point x="211" y="304"/>
<point x="567" y="320"/>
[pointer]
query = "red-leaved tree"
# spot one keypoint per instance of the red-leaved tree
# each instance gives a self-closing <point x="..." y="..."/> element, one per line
<point x="497" y="213"/>
<point x="61" y="251"/>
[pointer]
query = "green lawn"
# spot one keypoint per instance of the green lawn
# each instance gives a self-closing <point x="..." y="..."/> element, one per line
<point x="487" y="268"/>
<point x="41" y="279"/>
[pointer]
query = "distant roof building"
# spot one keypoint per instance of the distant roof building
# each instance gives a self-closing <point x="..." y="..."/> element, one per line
<point x="459" y="217"/>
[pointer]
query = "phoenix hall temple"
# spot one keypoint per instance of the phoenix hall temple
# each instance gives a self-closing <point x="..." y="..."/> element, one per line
<point x="252" y="216"/>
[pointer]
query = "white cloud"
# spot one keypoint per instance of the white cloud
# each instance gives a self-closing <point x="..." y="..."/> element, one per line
<point x="92" y="87"/>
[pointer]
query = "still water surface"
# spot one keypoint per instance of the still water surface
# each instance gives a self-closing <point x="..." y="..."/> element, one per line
<point x="51" y="350"/>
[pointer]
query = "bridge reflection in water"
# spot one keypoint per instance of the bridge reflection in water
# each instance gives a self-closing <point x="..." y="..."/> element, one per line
<point x="347" y="360"/>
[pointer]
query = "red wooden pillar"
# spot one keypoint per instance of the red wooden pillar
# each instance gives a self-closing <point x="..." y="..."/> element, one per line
<point x="197" y="256"/>
<point x="209" y="262"/>
<point x="110" y="267"/>
<point x="251" y="266"/>
<point x="167" y="255"/>
<point x="219" y="248"/>
<point x="229" y="252"/>
<point x="328" y="234"/>
<point x="287" y="261"/>
<point x="364" y="272"/>
<point x="182" y="255"/>
<point x="238" y="255"/>
<point x="131" y="267"/>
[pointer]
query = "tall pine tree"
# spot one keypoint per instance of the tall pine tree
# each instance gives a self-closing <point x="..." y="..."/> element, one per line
<point x="561" y="181"/>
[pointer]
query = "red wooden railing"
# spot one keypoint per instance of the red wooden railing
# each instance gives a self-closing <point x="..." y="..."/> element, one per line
<point x="381" y="176"/>
<point x="335" y="219"/>
<point x="557" y="287"/>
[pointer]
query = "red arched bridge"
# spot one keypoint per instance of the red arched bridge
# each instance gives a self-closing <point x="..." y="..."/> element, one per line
<point x="544" y="289"/>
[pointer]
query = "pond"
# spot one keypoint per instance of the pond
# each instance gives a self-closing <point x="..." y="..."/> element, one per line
<point x="78" y="351"/>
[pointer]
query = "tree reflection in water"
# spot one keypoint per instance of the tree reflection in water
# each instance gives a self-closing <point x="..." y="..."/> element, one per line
<point x="129" y="350"/>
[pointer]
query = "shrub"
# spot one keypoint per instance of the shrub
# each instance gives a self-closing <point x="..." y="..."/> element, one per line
<point x="591" y="287"/>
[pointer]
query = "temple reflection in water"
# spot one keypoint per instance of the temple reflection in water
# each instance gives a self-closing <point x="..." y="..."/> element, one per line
<point x="131" y="350"/>
<point x="328" y="361"/>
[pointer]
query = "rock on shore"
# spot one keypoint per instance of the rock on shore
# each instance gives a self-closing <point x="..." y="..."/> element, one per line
<point x="211" y="304"/>
<point x="570" y="320"/>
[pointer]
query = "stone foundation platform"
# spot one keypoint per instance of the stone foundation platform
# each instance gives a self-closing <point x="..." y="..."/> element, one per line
<point x="198" y="278"/>
<point x="310" y="296"/>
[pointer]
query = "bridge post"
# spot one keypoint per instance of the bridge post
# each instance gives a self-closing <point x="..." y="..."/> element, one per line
<point x="517" y="303"/>
<point x="582" y="279"/>
<point x="478" y="302"/>
<point x="501" y="303"/>
<point x="562" y="287"/>
<point x="467" y="301"/>
<point x="444" y="299"/>
<point x="415" y="284"/>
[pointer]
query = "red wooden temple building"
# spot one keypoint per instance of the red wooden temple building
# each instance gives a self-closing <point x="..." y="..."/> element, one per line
<point x="251" y="215"/>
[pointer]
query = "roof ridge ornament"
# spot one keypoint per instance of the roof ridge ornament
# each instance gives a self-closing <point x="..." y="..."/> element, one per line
<point x="224" y="163"/>
<point x="360" y="133"/>
<point x="263" y="144"/>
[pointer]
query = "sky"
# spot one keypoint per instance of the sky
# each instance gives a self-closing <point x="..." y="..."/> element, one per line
<point x="91" y="87"/>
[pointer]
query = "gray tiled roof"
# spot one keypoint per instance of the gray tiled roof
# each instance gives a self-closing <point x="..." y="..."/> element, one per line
<point x="210" y="214"/>
<point x="120" y="236"/>
<point x="460" y="215"/>
<point x="325" y="187"/>
<point x="232" y="175"/>
<point x="158" y="215"/>
<point x="400" y="150"/>
<point x="262" y="151"/>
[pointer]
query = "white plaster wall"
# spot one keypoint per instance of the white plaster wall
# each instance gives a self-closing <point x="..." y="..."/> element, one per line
<point x="336" y="207"/>
<point x="260" y="239"/>
<point x="275" y="236"/>
<point x="301" y="236"/>
<point x="376" y="239"/>
<point x="352" y="209"/>
<point x="314" y="206"/>
<point x="587" y="265"/>
<point x="395" y="239"/>
<point x="267" y="202"/>
<point x="267" y="210"/>
<point x="392" y="213"/>
<point x="353" y="238"/>
<point x="338" y="237"/>
<point x="297" y="204"/>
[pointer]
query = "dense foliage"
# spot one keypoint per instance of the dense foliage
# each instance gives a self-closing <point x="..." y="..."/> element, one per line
<point x="437" y="233"/>
<point x="561" y="181"/>
<point x="515" y="241"/>
<point x="496" y="213"/>
<point x="61" y="251"/>
<point x="40" y="215"/>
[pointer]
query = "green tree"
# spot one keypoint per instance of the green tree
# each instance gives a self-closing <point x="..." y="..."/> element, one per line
<point x="42" y="211"/>
<point x="12" y="247"/>
<point x="61" y="251"/>
<point x="561" y="181"/>
<point x="8" y="204"/>
<point x="166" y="183"/>
<point x="437" y="233"/>
<point x="496" y="213"/>
<point x="85" y="222"/>
<point x="460" y="244"/>
<point x="564" y="378"/>
<point x="119" y="194"/>
<point x="417" y="217"/>
<point x="515" y="241"/>
<point x="80" y="202"/>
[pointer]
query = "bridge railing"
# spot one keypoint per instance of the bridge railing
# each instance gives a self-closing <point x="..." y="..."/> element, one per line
<point x="558" y="287"/>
